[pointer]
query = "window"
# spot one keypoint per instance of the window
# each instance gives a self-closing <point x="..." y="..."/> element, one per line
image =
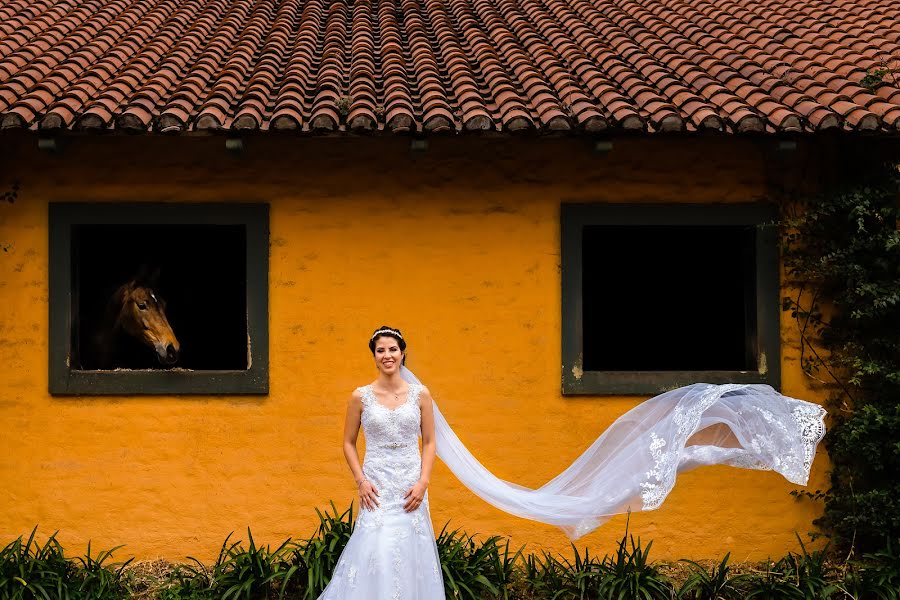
<point x="158" y="298"/>
<point x="659" y="296"/>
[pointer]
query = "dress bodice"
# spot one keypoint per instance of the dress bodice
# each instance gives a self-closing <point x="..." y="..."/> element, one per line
<point x="391" y="428"/>
<point x="393" y="462"/>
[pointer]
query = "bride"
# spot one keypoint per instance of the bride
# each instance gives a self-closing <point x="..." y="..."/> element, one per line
<point x="632" y="466"/>
<point x="392" y="552"/>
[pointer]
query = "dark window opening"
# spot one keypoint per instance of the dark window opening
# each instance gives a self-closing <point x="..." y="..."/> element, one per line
<point x="657" y="296"/>
<point x="669" y="298"/>
<point x="158" y="298"/>
<point x="197" y="272"/>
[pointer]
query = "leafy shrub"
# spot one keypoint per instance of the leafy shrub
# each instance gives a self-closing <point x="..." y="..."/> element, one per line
<point x="771" y="585"/>
<point x="876" y="576"/>
<point x="546" y="577"/>
<point x="475" y="570"/>
<point x="811" y="572"/>
<point x="625" y="574"/>
<point x="96" y="580"/>
<point x="30" y="570"/>
<point x="629" y="574"/>
<point x="296" y="570"/>
<point x="841" y="251"/>
<point x="472" y="569"/>
<point x="715" y="584"/>
<point x="317" y="557"/>
<point x="504" y="566"/>
<point x="255" y="572"/>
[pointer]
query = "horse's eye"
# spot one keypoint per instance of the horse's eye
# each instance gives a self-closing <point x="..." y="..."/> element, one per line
<point x="142" y="306"/>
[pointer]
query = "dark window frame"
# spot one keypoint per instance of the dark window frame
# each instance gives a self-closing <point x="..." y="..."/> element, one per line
<point x="63" y="380"/>
<point x="573" y="219"/>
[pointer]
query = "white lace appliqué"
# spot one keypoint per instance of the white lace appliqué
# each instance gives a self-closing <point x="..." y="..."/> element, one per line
<point x="810" y="420"/>
<point x="660" y="479"/>
<point x="780" y="435"/>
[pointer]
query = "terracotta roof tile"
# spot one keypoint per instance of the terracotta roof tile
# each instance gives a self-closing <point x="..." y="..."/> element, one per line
<point x="450" y="65"/>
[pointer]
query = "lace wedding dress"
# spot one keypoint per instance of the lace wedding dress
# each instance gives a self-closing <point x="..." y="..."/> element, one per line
<point x="392" y="553"/>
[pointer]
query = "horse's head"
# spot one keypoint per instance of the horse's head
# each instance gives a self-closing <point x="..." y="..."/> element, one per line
<point x="142" y="315"/>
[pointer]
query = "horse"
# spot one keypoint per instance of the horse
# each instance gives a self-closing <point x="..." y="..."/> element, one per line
<point x="135" y="320"/>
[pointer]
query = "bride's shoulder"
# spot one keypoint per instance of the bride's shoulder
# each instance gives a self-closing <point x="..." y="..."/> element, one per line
<point x="424" y="393"/>
<point x="359" y="394"/>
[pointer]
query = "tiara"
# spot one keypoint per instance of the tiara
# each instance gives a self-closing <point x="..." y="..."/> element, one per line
<point x="391" y="331"/>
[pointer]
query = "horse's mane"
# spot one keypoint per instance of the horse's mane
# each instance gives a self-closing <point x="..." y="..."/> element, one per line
<point x="111" y="312"/>
<point x="105" y="338"/>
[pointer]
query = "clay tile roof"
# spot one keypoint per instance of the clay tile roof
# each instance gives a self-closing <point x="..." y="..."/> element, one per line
<point x="399" y="66"/>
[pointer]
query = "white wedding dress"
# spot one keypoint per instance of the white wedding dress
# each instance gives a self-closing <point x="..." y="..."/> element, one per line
<point x="392" y="554"/>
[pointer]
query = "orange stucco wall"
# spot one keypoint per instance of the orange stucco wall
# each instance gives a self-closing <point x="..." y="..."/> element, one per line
<point x="458" y="246"/>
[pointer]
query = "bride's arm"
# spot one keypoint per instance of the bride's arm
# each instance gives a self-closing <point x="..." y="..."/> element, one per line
<point x="416" y="494"/>
<point x="428" y="441"/>
<point x="367" y="491"/>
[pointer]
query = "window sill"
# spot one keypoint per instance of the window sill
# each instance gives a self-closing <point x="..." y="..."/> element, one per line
<point x="576" y="382"/>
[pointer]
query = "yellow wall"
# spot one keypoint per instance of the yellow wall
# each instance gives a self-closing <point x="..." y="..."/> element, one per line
<point x="459" y="247"/>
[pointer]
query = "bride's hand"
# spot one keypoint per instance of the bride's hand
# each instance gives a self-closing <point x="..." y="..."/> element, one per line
<point x="368" y="495"/>
<point x="414" y="496"/>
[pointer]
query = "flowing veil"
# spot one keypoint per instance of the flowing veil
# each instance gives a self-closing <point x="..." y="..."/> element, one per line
<point x="632" y="466"/>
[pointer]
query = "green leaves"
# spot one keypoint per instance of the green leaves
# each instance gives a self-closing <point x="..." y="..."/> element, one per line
<point x="317" y="556"/>
<point x="31" y="571"/>
<point x="841" y="251"/>
<point x="473" y="570"/>
<point x="626" y="574"/>
<point x="715" y="584"/>
<point x="293" y="570"/>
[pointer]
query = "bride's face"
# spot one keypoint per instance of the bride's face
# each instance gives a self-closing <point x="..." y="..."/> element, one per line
<point x="387" y="355"/>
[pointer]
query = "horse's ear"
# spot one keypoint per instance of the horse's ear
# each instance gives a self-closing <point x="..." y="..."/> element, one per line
<point x="147" y="276"/>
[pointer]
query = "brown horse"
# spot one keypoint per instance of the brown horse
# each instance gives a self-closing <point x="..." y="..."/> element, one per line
<point x="135" y="316"/>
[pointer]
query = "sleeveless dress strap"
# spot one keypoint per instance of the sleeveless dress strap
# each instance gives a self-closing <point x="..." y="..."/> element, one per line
<point x="366" y="393"/>
<point x="415" y="389"/>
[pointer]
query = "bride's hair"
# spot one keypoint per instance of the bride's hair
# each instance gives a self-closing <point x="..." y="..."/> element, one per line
<point x="392" y="332"/>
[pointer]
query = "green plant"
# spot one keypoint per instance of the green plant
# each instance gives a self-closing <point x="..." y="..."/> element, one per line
<point x="771" y="585"/>
<point x="884" y="74"/>
<point x="715" y="584"/>
<point x="472" y="569"/>
<point x="30" y="570"/>
<point x="629" y="574"/>
<point x="841" y="251"/>
<point x="475" y="570"/>
<point x="546" y="577"/>
<point x="583" y="574"/>
<point x="317" y="557"/>
<point x="96" y="580"/>
<point x="186" y="583"/>
<point x="252" y="572"/>
<point x="876" y="576"/>
<point x="343" y="105"/>
<point x="809" y="571"/>
<point x="192" y="583"/>
<point x="503" y="565"/>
